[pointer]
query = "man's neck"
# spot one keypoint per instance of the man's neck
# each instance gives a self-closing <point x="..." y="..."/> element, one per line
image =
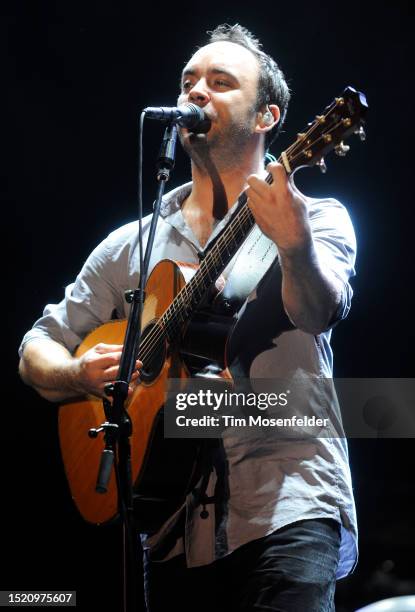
<point x="210" y="187"/>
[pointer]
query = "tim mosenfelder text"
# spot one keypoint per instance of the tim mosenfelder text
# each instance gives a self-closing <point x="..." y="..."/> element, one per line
<point x="206" y="398"/>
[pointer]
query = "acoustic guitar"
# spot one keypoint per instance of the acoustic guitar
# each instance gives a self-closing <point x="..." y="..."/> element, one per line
<point x="175" y="292"/>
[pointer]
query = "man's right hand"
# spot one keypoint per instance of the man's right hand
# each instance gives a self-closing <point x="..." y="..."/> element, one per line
<point x="98" y="367"/>
<point x="56" y="375"/>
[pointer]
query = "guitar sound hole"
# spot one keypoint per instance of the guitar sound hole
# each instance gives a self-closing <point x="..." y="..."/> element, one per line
<point x="152" y="353"/>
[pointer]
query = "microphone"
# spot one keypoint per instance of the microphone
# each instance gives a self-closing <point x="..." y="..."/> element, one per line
<point x="187" y="115"/>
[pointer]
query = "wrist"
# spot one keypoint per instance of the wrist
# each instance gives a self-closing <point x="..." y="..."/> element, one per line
<point x="298" y="255"/>
<point x="73" y="375"/>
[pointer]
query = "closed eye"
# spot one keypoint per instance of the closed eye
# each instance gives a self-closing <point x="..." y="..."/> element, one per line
<point x="222" y="83"/>
<point x="217" y="83"/>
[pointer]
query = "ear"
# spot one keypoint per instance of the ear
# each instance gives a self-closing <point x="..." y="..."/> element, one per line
<point x="267" y="118"/>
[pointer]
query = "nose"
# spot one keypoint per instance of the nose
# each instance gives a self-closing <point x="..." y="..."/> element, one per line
<point x="199" y="94"/>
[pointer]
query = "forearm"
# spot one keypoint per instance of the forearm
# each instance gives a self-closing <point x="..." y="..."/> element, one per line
<point x="50" y="369"/>
<point x="310" y="296"/>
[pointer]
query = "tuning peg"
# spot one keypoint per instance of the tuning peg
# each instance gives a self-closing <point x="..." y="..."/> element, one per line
<point x="322" y="165"/>
<point x="361" y="133"/>
<point x="341" y="149"/>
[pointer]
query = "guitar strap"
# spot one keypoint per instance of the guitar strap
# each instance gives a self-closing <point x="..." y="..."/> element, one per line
<point x="247" y="268"/>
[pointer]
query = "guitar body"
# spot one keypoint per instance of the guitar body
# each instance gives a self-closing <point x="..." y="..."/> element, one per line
<point x="162" y="470"/>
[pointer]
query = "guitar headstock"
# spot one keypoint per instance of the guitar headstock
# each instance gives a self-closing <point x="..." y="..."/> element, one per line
<point x="343" y="117"/>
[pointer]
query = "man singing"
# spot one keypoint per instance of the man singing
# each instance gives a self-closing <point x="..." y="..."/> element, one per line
<point x="277" y="525"/>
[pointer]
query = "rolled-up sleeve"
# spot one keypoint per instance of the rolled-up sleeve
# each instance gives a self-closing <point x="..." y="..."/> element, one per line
<point x="88" y="302"/>
<point x="335" y="244"/>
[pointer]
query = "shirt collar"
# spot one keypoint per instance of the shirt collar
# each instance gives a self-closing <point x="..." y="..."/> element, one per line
<point x="171" y="211"/>
<point x="172" y="201"/>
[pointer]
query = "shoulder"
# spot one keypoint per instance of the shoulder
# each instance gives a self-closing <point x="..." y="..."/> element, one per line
<point x="332" y="217"/>
<point x="125" y="235"/>
<point x="119" y="244"/>
<point x="327" y="206"/>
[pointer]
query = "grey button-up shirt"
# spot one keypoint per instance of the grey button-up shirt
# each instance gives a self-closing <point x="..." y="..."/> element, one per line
<point x="280" y="481"/>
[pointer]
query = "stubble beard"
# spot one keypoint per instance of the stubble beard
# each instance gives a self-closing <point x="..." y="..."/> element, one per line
<point x="225" y="149"/>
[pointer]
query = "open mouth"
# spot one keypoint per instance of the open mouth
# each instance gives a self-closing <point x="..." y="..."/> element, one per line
<point x="202" y="127"/>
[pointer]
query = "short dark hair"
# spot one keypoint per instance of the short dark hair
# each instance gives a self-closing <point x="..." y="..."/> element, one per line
<point x="272" y="86"/>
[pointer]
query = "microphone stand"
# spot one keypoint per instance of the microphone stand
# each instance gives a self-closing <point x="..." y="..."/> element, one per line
<point x="118" y="428"/>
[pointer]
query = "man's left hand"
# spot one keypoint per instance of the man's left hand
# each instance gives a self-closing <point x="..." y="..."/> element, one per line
<point x="280" y="210"/>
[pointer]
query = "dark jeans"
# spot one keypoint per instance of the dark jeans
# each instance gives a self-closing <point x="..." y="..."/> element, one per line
<point x="290" y="570"/>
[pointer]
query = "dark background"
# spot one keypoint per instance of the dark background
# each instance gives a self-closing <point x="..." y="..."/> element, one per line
<point x="77" y="75"/>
